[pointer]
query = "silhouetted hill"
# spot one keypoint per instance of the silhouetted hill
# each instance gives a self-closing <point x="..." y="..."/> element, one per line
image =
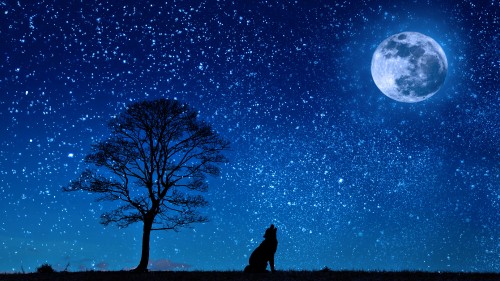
<point x="238" y="275"/>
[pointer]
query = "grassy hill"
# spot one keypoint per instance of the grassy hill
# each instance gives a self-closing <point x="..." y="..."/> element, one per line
<point x="238" y="275"/>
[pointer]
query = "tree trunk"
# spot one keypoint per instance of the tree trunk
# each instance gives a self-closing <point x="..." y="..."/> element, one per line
<point x="143" y="264"/>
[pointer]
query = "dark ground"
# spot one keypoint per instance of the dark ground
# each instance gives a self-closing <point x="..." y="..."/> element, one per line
<point x="238" y="275"/>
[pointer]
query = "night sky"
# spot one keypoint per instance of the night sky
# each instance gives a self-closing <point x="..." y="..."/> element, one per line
<point x="351" y="178"/>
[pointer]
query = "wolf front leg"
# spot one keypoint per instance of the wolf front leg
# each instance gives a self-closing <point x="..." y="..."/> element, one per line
<point x="271" y="263"/>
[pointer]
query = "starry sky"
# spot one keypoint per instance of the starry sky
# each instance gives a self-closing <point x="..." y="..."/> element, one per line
<point x="351" y="178"/>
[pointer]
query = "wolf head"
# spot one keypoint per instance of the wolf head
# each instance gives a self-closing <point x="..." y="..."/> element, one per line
<point x="271" y="232"/>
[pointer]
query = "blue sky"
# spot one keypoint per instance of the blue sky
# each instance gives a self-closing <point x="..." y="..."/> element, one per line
<point x="351" y="178"/>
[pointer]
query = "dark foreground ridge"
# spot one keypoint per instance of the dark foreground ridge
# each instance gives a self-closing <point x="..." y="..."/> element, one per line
<point x="238" y="275"/>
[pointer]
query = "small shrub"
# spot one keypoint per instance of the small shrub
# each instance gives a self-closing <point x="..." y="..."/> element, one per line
<point x="45" y="268"/>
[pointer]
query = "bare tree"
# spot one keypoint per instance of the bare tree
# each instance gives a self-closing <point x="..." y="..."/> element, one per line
<point x="156" y="160"/>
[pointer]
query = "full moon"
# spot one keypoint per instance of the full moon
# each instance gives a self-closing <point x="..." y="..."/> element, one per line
<point x="409" y="67"/>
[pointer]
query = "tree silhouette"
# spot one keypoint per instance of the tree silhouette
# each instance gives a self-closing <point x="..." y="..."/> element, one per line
<point x="157" y="158"/>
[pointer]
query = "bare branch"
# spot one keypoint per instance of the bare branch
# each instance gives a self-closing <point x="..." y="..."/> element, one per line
<point x="158" y="154"/>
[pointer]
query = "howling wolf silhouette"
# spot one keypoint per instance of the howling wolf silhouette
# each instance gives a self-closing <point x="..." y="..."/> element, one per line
<point x="264" y="253"/>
